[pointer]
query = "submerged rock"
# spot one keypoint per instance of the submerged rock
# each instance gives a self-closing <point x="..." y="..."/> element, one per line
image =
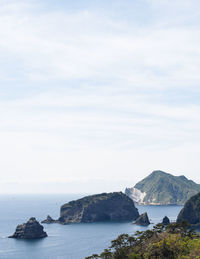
<point x="49" y="220"/>
<point x="101" y="207"/>
<point x="166" y="221"/>
<point x="143" y="220"/>
<point x="30" y="230"/>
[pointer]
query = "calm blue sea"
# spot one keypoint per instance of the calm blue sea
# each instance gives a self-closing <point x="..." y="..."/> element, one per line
<point x="75" y="241"/>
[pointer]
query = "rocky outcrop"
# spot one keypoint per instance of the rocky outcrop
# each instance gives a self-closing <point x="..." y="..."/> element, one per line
<point x="49" y="220"/>
<point x="165" y="221"/>
<point x="143" y="220"/>
<point x="161" y="188"/>
<point x="136" y="195"/>
<point x="114" y="206"/>
<point x="30" y="230"/>
<point x="191" y="211"/>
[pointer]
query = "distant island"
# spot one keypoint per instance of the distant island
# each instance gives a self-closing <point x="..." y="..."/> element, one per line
<point x="164" y="240"/>
<point x="114" y="206"/>
<point x="161" y="188"/>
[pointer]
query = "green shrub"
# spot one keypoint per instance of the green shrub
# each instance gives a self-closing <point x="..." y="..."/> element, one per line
<point x="176" y="241"/>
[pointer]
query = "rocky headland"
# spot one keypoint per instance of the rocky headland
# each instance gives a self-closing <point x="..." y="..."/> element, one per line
<point x="191" y="211"/>
<point x="114" y="206"/>
<point x="29" y="230"/>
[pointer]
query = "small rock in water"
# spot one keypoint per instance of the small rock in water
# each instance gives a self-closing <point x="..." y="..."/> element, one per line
<point x="143" y="220"/>
<point x="30" y="230"/>
<point x="166" y="221"/>
<point x="49" y="220"/>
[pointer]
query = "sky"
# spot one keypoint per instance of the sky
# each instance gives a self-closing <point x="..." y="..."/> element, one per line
<point x="96" y="94"/>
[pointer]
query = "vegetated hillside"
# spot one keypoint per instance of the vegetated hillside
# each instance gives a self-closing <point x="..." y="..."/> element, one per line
<point x="175" y="241"/>
<point x="163" y="189"/>
<point x="191" y="211"/>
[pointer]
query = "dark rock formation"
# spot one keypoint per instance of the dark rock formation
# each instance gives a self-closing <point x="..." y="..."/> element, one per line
<point x="166" y="221"/>
<point x="101" y="207"/>
<point x="143" y="220"/>
<point x="161" y="188"/>
<point x="30" y="230"/>
<point x="191" y="211"/>
<point x="49" y="220"/>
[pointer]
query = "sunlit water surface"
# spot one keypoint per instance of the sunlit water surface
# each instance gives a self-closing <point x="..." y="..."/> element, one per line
<point x="75" y="241"/>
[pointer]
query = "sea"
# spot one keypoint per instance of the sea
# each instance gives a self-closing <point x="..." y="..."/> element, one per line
<point x="73" y="241"/>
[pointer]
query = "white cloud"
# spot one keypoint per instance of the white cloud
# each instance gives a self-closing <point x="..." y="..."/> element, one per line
<point x="98" y="96"/>
<point x="84" y="44"/>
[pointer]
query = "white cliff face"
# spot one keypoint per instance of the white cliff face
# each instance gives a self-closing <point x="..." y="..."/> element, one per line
<point x="136" y="195"/>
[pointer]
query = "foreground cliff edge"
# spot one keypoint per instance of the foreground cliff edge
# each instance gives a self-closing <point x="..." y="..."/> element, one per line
<point x="161" y="188"/>
<point x="114" y="206"/>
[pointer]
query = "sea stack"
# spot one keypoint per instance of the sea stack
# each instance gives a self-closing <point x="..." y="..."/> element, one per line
<point x="114" y="206"/>
<point x="166" y="221"/>
<point x="30" y="230"/>
<point x="143" y="220"/>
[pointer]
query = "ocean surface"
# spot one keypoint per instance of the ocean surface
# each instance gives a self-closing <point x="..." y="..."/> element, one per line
<point x="75" y="241"/>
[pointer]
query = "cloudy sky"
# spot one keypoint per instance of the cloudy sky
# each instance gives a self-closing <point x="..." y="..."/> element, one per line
<point x="96" y="94"/>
